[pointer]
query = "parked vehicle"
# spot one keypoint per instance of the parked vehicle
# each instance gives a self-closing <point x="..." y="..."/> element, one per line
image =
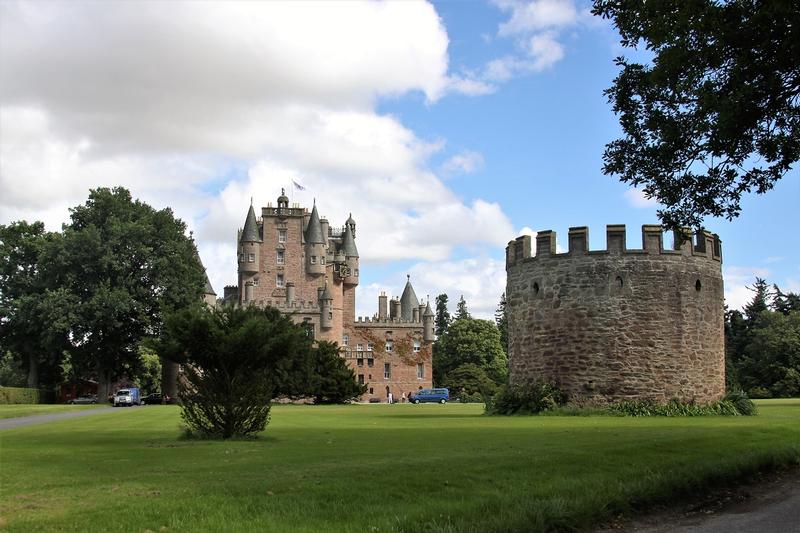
<point x="83" y="400"/>
<point x="129" y="396"/>
<point x="156" y="398"/>
<point x="430" y="396"/>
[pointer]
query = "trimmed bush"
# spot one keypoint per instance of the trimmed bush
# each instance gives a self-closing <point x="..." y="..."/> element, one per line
<point x="10" y="395"/>
<point x="525" y="399"/>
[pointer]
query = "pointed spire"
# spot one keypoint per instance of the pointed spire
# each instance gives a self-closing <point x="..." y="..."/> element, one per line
<point x="314" y="228"/>
<point x="408" y="301"/>
<point x="428" y="311"/>
<point x="349" y="243"/>
<point x="250" y="231"/>
<point x="326" y="294"/>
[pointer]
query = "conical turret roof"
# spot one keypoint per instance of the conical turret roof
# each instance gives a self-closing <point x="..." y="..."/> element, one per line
<point x="408" y="301"/>
<point x="349" y="243"/>
<point x="250" y="231"/>
<point x="326" y="294"/>
<point x="314" y="228"/>
<point x="428" y="311"/>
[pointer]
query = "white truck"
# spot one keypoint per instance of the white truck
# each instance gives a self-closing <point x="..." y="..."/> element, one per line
<point x="127" y="397"/>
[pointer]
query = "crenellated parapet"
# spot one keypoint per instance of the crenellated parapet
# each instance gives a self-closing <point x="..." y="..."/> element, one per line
<point x="618" y="323"/>
<point x="388" y="322"/>
<point x="701" y="244"/>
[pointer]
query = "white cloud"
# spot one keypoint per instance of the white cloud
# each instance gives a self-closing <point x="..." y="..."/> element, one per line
<point x="167" y="98"/>
<point x="465" y="162"/>
<point x="637" y="198"/>
<point x="538" y="15"/>
<point x="737" y="280"/>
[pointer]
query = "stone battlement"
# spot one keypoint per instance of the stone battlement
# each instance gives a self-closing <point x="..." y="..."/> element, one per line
<point x="704" y="244"/>
<point x="388" y="322"/>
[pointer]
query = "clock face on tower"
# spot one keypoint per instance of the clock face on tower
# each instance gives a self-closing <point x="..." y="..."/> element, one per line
<point x="344" y="271"/>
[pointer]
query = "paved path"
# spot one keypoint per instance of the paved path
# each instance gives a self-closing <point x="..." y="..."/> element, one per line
<point x="13" y="423"/>
<point x="772" y="506"/>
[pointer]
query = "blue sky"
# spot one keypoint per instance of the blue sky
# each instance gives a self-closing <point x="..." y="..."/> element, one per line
<point x="447" y="129"/>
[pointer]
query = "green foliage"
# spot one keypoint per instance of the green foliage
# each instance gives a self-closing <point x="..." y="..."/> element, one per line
<point x="528" y="399"/>
<point x="34" y="312"/>
<point x="469" y="380"/>
<point x="334" y="381"/>
<point x="125" y="264"/>
<point x="11" y="374"/>
<point x="762" y="345"/>
<point x="9" y="395"/>
<point x="442" y="320"/>
<point x="234" y="360"/>
<point x="149" y="376"/>
<point x="461" y="309"/>
<point x="714" y="114"/>
<point x="734" y="404"/>
<point x="470" y="340"/>
<point x="501" y="319"/>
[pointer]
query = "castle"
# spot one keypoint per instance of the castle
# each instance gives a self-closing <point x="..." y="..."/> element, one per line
<point x="618" y="323"/>
<point x="297" y="262"/>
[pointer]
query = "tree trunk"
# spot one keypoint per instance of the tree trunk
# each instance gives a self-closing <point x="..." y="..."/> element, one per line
<point x="169" y="378"/>
<point x="103" y="386"/>
<point x="33" y="371"/>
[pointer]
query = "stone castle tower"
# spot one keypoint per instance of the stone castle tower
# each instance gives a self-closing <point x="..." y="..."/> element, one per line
<point x="297" y="262"/>
<point x="617" y="323"/>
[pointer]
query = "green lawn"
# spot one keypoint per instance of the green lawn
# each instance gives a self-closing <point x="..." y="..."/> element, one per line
<point x="15" y="410"/>
<point x="373" y="468"/>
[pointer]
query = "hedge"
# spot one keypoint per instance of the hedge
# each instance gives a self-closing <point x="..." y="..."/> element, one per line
<point x="22" y="395"/>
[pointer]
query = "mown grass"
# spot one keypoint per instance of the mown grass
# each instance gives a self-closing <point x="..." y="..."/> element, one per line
<point x="375" y="468"/>
<point x="17" y="410"/>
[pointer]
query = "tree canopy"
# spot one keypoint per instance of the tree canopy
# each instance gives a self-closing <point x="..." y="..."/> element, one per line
<point x="442" y="314"/>
<point x="763" y="343"/>
<point x="470" y="340"/>
<point x="715" y="113"/>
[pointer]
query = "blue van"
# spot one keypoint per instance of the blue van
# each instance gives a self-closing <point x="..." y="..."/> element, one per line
<point x="430" y="395"/>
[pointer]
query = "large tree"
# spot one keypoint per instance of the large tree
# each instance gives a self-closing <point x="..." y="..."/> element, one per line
<point x="715" y="111"/>
<point x="442" y="320"/>
<point x="470" y="340"/>
<point x="501" y="319"/>
<point x="125" y="264"/>
<point x="34" y="312"/>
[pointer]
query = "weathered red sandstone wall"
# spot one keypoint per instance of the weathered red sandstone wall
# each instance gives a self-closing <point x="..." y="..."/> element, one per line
<point x="618" y="324"/>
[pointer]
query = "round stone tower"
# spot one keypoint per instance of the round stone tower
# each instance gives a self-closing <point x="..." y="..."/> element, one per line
<point x="618" y="324"/>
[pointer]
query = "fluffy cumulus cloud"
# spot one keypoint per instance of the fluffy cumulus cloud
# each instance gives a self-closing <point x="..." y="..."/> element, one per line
<point x="202" y="105"/>
<point x="465" y="162"/>
<point x="637" y="198"/>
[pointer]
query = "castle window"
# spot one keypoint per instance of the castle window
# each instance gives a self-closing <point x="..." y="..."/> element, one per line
<point x="370" y="362"/>
<point x="618" y="282"/>
<point x="389" y="346"/>
<point x="698" y="285"/>
<point x="387" y="370"/>
<point x="361" y="379"/>
<point x="330" y="315"/>
<point x="281" y="235"/>
<point x="251" y="258"/>
<point x="359" y="347"/>
<point x="416" y="345"/>
<point x="360" y="361"/>
<point x="345" y="340"/>
<point x="241" y="258"/>
<point x="313" y="259"/>
<point x="322" y="260"/>
<point x="420" y="370"/>
<point x="279" y="257"/>
<point x="309" y="329"/>
<point x="370" y="347"/>
<point x="535" y="288"/>
<point x="371" y="391"/>
<point x="279" y="280"/>
<point x="356" y="272"/>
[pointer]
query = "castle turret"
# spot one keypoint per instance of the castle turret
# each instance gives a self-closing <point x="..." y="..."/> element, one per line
<point x="283" y="200"/>
<point x="314" y="244"/>
<point x="351" y="257"/>
<point x="394" y="309"/>
<point x="249" y="244"/>
<point x="428" y="324"/>
<point x="326" y="308"/>
<point x="350" y="223"/>
<point x="409" y="303"/>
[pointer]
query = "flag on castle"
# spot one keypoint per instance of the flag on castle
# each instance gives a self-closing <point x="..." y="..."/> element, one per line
<point x="298" y="186"/>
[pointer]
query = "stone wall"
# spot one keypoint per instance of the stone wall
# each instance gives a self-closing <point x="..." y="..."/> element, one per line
<point x="617" y="323"/>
